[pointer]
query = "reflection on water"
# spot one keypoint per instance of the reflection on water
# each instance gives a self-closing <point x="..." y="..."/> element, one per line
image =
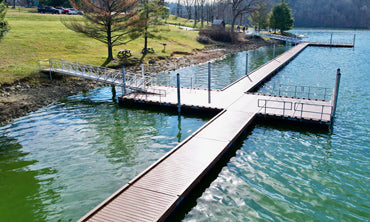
<point x="19" y="183"/>
<point x="70" y="156"/>
<point x="223" y="71"/>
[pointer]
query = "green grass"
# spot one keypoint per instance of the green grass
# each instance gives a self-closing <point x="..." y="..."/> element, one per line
<point x="36" y="36"/>
<point x="185" y="22"/>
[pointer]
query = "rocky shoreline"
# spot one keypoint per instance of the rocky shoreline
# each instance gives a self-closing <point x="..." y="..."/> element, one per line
<point x="23" y="97"/>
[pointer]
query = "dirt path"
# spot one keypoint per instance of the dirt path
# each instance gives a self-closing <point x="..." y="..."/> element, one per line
<point x="23" y="97"/>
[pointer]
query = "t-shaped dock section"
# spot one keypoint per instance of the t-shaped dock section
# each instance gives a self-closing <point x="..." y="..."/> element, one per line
<point x="158" y="191"/>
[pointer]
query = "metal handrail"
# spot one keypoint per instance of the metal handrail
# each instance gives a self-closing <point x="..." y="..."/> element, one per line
<point x="310" y="92"/>
<point x="298" y="106"/>
<point x="102" y="74"/>
<point x="284" y="107"/>
<point x="302" y="110"/>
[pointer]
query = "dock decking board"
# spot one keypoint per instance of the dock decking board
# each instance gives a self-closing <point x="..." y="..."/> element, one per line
<point x="157" y="191"/>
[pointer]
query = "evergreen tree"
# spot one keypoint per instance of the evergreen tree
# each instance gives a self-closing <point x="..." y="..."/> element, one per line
<point x="3" y="24"/>
<point x="281" y="17"/>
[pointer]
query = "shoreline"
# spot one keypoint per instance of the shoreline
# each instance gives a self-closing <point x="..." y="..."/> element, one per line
<point x="22" y="97"/>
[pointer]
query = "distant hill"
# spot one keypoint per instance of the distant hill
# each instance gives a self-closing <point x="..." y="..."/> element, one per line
<point x="331" y="13"/>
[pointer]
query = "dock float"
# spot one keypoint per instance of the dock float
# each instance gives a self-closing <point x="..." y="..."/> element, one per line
<point x="160" y="189"/>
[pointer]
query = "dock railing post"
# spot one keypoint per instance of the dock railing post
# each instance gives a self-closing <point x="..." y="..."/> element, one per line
<point x="273" y="52"/>
<point x="209" y="82"/>
<point x="246" y="63"/>
<point x="178" y="93"/>
<point x="123" y="81"/>
<point x="51" y="69"/>
<point x="336" y="91"/>
<point x="142" y="70"/>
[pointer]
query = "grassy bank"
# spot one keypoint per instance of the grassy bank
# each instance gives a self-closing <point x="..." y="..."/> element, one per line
<point x="173" y="20"/>
<point x="36" y="36"/>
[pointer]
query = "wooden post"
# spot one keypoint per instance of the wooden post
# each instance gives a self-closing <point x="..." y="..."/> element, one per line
<point x="209" y="82"/>
<point x="123" y="81"/>
<point x="273" y="53"/>
<point x="331" y="39"/>
<point x="336" y="91"/>
<point x="178" y="94"/>
<point x="246" y="64"/>
<point x="286" y="45"/>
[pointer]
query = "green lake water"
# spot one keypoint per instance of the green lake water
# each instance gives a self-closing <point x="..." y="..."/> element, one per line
<point x="63" y="160"/>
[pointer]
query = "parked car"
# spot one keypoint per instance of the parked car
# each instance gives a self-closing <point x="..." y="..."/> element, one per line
<point x="65" y="11"/>
<point x="72" y="11"/>
<point x="60" y="9"/>
<point x="49" y="9"/>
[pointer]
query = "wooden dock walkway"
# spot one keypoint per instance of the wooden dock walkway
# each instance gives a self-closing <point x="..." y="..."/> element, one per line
<point x="335" y="45"/>
<point x="159" y="190"/>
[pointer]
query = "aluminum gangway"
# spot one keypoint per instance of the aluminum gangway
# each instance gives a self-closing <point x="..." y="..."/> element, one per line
<point x="294" y="40"/>
<point x="115" y="77"/>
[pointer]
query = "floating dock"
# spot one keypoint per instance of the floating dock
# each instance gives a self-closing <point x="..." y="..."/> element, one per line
<point x="158" y="191"/>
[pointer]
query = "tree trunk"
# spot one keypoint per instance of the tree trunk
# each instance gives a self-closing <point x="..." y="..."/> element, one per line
<point x="202" y="15"/>
<point x="233" y="22"/>
<point x="109" y="40"/>
<point x="145" y="50"/>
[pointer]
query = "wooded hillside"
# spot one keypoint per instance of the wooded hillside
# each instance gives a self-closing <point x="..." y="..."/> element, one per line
<point x="331" y="13"/>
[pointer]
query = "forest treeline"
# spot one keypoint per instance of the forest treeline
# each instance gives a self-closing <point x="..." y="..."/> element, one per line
<point x="306" y="13"/>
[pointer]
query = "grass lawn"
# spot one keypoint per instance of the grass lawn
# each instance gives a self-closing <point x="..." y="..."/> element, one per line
<point x="36" y="36"/>
<point x="186" y="22"/>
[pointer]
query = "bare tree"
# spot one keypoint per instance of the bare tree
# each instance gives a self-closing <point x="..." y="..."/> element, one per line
<point x="113" y="22"/>
<point x="179" y="8"/>
<point x="240" y="7"/>
<point x="259" y="18"/>
<point x="152" y="14"/>
<point x="202" y="3"/>
<point x="188" y="7"/>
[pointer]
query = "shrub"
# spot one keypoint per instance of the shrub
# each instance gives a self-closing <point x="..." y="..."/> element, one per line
<point x="204" y="39"/>
<point x="218" y="35"/>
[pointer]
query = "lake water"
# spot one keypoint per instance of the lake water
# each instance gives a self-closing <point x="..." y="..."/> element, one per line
<point x="61" y="161"/>
<point x="283" y="173"/>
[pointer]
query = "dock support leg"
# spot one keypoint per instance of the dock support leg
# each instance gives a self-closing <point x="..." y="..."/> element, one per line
<point x="209" y="82"/>
<point x="273" y="53"/>
<point x="178" y="93"/>
<point x="246" y="63"/>
<point x="113" y="91"/>
<point x="336" y="91"/>
<point x="123" y="81"/>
